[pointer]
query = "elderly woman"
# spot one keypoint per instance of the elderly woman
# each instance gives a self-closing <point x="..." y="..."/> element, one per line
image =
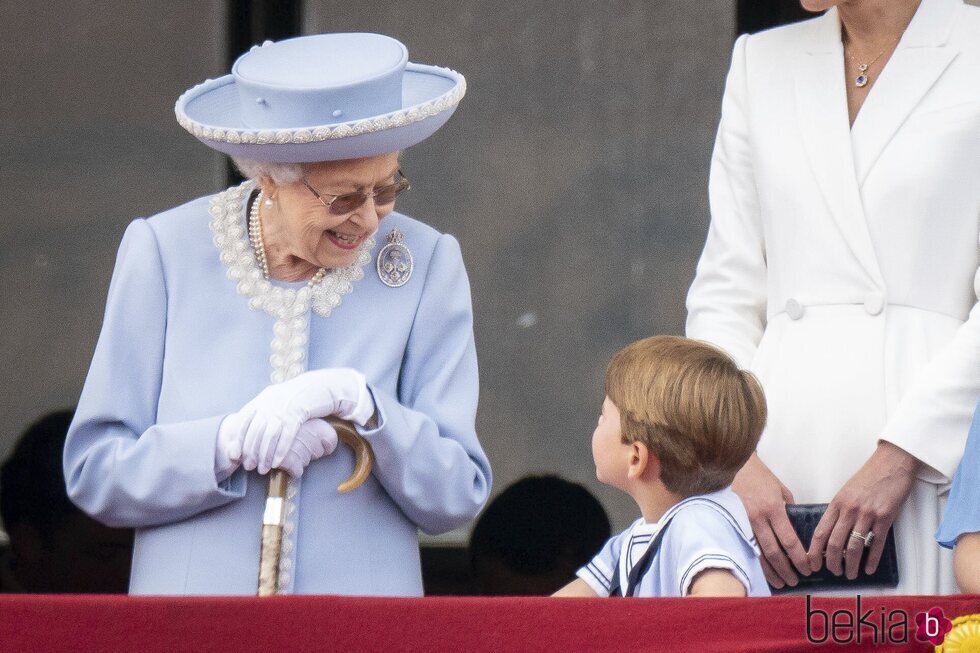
<point x="236" y="322"/>
<point x="840" y="267"/>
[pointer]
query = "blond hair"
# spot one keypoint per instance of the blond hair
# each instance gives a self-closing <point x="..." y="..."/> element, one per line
<point x="692" y="407"/>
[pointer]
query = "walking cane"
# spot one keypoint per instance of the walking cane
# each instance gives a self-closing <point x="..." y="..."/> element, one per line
<point x="275" y="503"/>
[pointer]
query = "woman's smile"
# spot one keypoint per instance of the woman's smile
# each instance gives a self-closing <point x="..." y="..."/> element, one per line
<point x="344" y="241"/>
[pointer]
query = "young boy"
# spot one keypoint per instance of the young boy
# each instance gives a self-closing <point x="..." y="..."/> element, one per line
<point x="678" y="421"/>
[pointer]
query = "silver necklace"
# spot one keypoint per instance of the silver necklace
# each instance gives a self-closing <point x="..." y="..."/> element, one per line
<point x="258" y="244"/>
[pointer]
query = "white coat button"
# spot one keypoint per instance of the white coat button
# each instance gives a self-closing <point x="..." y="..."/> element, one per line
<point x="874" y="303"/>
<point x="794" y="309"/>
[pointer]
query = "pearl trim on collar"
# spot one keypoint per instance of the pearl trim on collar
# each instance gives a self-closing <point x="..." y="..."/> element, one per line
<point x="227" y="211"/>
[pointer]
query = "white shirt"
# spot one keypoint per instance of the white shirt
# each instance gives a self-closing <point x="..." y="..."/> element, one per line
<point x="709" y="531"/>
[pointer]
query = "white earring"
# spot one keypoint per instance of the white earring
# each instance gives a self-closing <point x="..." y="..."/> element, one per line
<point x="268" y="202"/>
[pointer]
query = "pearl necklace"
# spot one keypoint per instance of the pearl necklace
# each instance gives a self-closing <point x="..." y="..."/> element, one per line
<point x="258" y="244"/>
<point x="229" y="212"/>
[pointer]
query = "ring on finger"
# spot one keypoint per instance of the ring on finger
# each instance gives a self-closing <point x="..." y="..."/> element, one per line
<point x="864" y="537"/>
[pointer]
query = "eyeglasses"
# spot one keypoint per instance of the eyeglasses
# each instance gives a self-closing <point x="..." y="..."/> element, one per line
<point x="343" y="204"/>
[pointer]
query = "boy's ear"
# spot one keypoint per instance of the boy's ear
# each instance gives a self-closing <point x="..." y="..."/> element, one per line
<point x="642" y="462"/>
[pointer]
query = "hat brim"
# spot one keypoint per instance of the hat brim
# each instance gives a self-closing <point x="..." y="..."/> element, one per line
<point x="211" y="112"/>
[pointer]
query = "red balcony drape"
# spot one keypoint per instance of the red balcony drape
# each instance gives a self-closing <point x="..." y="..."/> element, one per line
<point x="353" y="624"/>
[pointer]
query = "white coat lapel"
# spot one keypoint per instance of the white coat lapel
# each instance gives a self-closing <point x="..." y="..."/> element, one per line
<point x="821" y="102"/>
<point x="913" y="69"/>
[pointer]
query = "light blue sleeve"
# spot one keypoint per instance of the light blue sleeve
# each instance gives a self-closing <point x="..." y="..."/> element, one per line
<point x="699" y="538"/>
<point x="599" y="572"/>
<point x="426" y="450"/>
<point x="963" y="509"/>
<point x="120" y="466"/>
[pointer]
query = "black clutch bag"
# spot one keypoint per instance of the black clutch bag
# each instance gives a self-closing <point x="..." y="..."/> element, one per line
<point x="804" y="517"/>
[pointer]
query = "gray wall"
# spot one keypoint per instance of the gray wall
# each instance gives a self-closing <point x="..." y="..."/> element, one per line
<point x="88" y="141"/>
<point x="573" y="174"/>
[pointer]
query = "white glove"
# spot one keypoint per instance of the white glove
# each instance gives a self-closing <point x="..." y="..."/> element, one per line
<point x="228" y="449"/>
<point x="314" y="440"/>
<point x="273" y="418"/>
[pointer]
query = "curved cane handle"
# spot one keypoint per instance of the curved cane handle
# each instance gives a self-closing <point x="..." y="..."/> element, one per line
<point x="363" y="454"/>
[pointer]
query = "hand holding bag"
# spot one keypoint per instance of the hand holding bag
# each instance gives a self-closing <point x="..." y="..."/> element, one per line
<point x="804" y="517"/>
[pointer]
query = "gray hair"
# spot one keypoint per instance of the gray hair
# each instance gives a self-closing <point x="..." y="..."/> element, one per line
<point x="280" y="173"/>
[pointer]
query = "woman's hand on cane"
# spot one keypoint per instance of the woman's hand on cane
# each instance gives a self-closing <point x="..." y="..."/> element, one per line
<point x="280" y="427"/>
<point x="765" y="499"/>
<point x="277" y="413"/>
<point x="314" y="440"/>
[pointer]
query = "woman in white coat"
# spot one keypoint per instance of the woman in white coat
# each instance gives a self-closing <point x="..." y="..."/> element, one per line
<point x="841" y="267"/>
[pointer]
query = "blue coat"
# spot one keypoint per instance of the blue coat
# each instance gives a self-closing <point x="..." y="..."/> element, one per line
<point x="962" y="514"/>
<point x="180" y="349"/>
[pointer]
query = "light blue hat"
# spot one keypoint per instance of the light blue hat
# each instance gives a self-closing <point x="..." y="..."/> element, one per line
<point x="321" y="98"/>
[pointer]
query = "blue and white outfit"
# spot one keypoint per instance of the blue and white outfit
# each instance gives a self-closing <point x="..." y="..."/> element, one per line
<point x="962" y="514"/>
<point x="186" y="341"/>
<point x="708" y="531"/>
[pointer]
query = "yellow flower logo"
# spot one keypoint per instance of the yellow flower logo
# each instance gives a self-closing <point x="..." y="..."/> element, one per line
<point x="964" y="637"/>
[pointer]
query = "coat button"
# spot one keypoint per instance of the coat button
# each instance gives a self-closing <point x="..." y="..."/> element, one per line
<point x="794" y="309"/>
<point x="874" y="303"/>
